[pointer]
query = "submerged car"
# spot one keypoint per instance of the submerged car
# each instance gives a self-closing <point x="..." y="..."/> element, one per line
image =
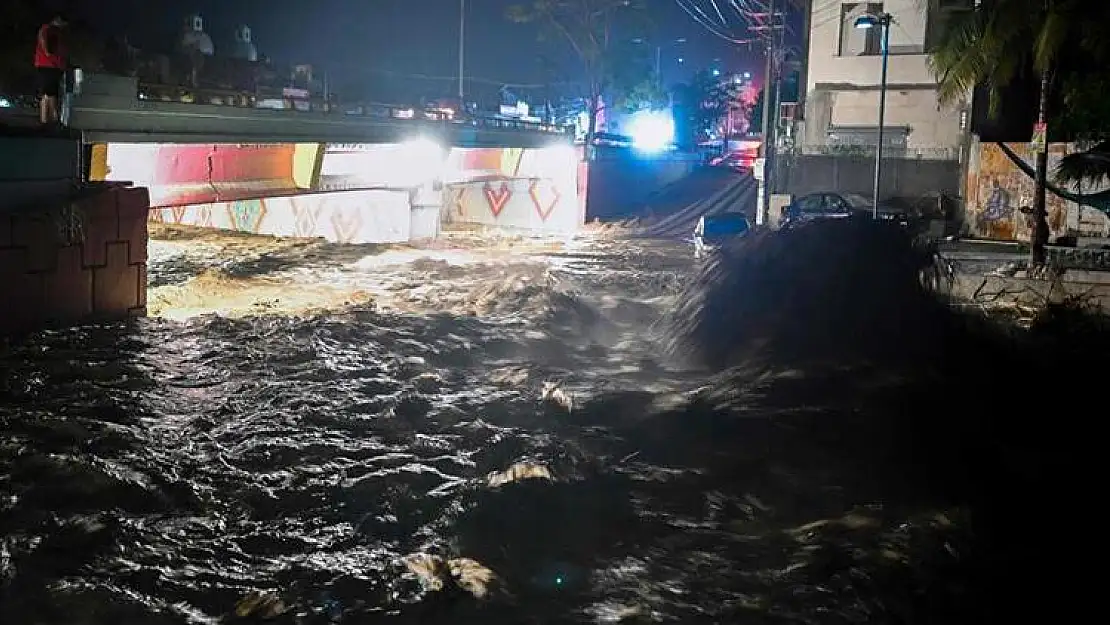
<point x="838" y="206"/>
<point x="713" y="230"/>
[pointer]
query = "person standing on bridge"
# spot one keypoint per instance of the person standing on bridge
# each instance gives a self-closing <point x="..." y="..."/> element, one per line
<point x="50" y="66"/>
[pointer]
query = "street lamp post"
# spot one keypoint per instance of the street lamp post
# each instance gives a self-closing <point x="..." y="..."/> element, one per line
<point x="883" y="21"/>
<point x="462" y="49"/>
<point x="659" y="56"/>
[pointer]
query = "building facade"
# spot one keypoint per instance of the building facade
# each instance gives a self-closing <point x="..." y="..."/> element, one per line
<point x="843" y="77"/>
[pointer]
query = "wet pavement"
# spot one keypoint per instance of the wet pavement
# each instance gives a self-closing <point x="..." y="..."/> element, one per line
<point x="483" y="431"/>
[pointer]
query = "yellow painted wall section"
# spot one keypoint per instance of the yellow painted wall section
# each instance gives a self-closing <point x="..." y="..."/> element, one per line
<point x="510" y="161"/>
<point x="98" y="167"/>
<point x="307" y="159"/>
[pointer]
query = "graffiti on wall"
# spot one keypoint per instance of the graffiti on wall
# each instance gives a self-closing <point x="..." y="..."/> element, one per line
<point x="529" y="203"/>
<point x="497" y="197"/>
<point x="997" y="189"/>
<point x="545" y="196"/>
<point x="364" y="216"/>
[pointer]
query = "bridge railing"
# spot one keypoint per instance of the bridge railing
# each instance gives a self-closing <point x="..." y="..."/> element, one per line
<point x="322" y="106"/>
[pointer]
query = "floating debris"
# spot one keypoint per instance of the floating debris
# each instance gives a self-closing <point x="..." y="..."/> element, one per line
<point x="436" y="573"/>
<point x="510" y="376"/>
<point x="517" y="472"/>
<point x="258" y="604"/>
<point x="428" y="569"/>
<point x="471" y="576"/>
<point x="554" y="393"/>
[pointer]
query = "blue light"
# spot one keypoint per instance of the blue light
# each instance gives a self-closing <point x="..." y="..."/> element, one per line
<point x="652" y="131"/>
<point x="716" y="72"/>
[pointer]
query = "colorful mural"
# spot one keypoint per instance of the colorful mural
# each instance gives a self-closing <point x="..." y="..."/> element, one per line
<point x="188" y="174"/>
<point x="183" y="174"/>
<point x="528" y="203"/>
<point x="365" y="216"/>
<point x="997" y="189"/>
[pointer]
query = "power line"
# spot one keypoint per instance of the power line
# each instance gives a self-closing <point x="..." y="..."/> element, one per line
<point x="720" y="30"/>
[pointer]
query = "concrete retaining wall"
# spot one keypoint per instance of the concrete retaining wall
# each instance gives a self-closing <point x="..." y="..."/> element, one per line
<point x="369" y="216"/>
<point x="988" y="290"/>
<point x="37" y="169"/>
<point x="997" y="188"/>
<point x="65" y="263"/>
<point x="527" y="203"/>
<point x="902" y="177"/>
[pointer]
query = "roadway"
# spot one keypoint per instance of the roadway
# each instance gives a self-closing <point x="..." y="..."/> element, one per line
<point x="107" y="109"/>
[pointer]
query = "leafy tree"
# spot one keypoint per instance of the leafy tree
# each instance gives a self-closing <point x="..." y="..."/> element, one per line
<point x="704" y="102"/>
<point x="635" y="86"/>
<point x="787" y="93"/>
<point x="996" y="42"/>
<point x="648" y="95"/>
<point x="1087" y="119"/>
<point x="595" y="30"/>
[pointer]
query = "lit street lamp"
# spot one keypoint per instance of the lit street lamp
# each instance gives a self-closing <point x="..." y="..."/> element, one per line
<point x="882" y="20"/>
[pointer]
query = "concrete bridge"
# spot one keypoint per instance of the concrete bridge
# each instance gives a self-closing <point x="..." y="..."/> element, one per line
<point x="74" y="210"/>
<point x="116" y="109"/>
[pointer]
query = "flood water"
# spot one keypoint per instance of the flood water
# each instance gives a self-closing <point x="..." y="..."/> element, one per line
<point x="161" y="471"/>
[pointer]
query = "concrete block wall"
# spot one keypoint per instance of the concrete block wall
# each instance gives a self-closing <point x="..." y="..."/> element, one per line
<point x="61" y="265"/>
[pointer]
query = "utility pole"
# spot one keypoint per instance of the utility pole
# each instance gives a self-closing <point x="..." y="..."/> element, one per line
<point x="772" y="86"/>
<point x="462" y="51"/>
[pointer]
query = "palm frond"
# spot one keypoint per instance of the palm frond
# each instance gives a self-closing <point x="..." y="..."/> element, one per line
<point x="1091" y="167"/>
<point x="1052" y="37"/>
<point x="960" y="60"/>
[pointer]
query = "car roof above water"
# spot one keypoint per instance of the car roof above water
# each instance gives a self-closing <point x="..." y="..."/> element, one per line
<point x="724" y="224"/>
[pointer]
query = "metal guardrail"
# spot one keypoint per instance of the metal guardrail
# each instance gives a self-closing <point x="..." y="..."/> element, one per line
<point x="868" y="151"/>
<point x="319" y="106"/>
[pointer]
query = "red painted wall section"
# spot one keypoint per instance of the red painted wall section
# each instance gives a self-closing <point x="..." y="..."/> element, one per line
<point x="179" y="175"/>
<point x="47" y="278"/>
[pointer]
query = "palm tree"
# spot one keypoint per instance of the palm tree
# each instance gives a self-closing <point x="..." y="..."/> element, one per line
<point x="1091" y="166"/>
<point x="992" y="45"/>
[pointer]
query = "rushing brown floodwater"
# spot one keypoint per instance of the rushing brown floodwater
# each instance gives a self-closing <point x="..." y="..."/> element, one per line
<point x="163" y="471"/>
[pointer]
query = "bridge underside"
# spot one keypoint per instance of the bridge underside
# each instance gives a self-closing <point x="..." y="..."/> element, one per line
<point x="349" y="192"/>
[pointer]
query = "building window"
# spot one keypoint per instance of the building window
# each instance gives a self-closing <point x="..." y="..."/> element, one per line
<point x="859" y="41"/>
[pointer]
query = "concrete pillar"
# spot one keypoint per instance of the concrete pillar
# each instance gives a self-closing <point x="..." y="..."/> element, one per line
<point x="427" y="208"/>
<point x="779" y="202"/>
<point x="759" y="172"/>
<point x="70" y="256"/>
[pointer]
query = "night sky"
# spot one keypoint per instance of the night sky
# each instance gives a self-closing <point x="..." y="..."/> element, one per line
<point x="363" y="41"/>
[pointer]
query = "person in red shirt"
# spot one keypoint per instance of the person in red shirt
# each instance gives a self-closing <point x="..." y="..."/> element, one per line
<point x="50" y="65"/>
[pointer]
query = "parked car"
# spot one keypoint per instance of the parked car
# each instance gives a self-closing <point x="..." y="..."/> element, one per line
<point x="714" y="230"/>
<point x="737" y="161"/>
<point x="838" y="206"/>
